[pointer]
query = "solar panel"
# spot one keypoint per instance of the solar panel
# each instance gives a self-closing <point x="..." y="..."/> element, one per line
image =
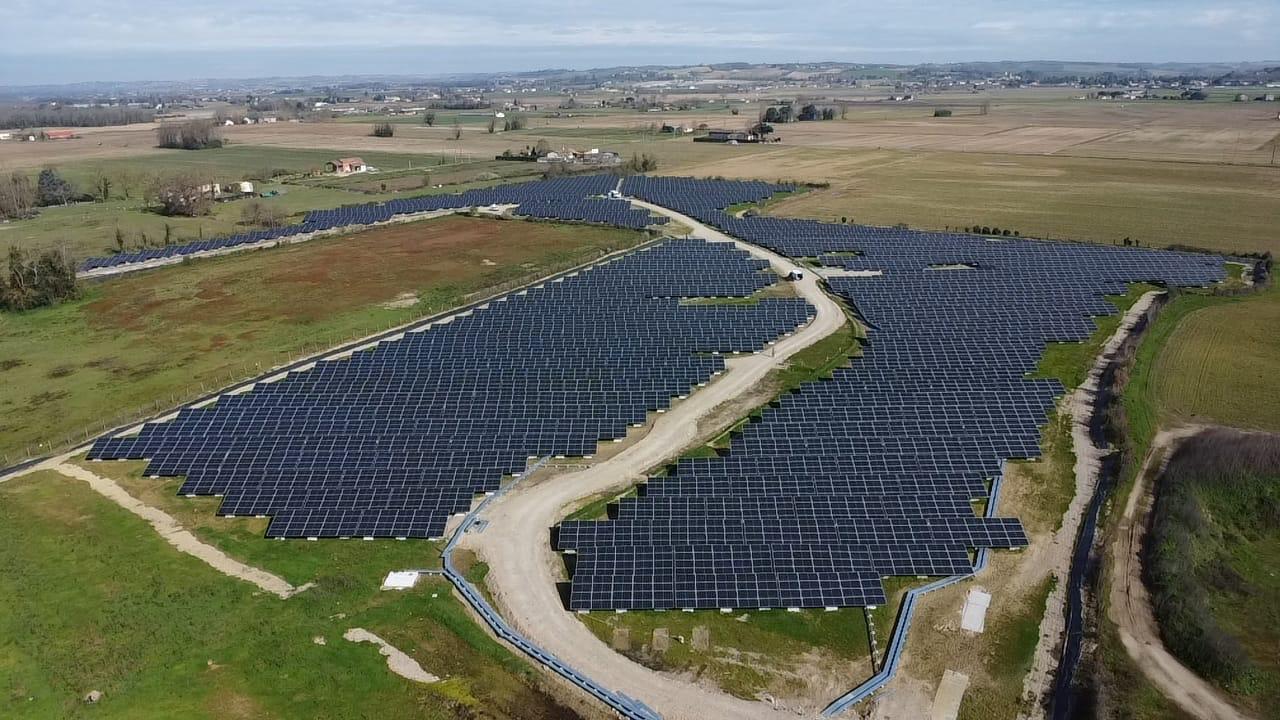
<point x="869" y="474"/>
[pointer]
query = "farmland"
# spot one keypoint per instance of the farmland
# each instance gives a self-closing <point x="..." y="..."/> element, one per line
<point x="160" y="336"/>
<point x="1218" y="365"/>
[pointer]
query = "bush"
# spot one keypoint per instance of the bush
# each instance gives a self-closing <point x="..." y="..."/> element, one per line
<point x="383" y="130"/>
<point x="942" y="112"/>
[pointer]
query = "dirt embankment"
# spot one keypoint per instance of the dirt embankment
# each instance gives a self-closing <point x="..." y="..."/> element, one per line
<point x="1082" y="406"/>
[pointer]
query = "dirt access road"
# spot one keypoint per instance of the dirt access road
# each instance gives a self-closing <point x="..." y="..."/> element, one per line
<point x="523" y="566"/>
<point x="1130" y="605"/>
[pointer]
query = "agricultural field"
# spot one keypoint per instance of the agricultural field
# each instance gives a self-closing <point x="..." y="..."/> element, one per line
<point x="157" y="337"/>
<point x="1219" y="365"/>
<point x="1220" y="208"/>
<point x="89" y="230"/>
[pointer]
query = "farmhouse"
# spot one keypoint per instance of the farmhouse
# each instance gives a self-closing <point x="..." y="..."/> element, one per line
<point x="346" y="166"/>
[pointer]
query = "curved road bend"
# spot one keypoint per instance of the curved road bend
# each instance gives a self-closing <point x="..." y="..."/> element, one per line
<point x="1130" y="603"/>
<point x="516" y="542"/>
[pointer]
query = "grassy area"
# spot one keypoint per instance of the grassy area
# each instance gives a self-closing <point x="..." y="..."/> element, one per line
<point x="162" y="336"/>
<point x="89" y="230"/>
<point x="1202" y="361"/>
<point x="95" y="600"/>
<point x="822" y="358"/>
<point x="1148" y="401"/>
<point x="1011" y="639"/>
<point x="1070" y="362"/>
<point x="232" y="162"/>
<point x="1223" y="208"/>
<point x="748" y="652"/>
<point x="596" y="507"/>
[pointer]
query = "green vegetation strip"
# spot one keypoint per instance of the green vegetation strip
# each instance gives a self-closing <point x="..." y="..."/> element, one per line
<point x="1210" y="561"/>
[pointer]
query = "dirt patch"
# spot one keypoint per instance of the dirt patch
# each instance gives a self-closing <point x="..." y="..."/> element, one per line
<point x="175" y="535"/>
<point x="11" y="363"/>
<point x="399" y="663"/>
<point x="403" y="300"/>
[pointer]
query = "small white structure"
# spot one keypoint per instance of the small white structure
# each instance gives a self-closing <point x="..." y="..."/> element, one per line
<point x="400" y="580"/>
<point x="974" y="615"/>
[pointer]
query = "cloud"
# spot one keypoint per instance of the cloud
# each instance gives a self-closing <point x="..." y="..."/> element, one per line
<point x="133" y="39"/>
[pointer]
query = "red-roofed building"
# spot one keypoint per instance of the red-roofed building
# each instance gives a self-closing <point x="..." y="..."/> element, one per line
<point x="346" y="166"/>
<point x="59" y="134"/>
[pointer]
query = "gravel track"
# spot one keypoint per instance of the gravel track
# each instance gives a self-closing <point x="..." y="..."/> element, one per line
<point x="516" y="544"/>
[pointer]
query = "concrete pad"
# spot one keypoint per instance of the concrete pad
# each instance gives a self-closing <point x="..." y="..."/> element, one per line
<point x="701" y="638"/>
<point x="621" y="639"/>
<point x="661" y="640"/>
<point x="946" y="702"/>
<point x="974" y="615"/>
<point x="400" y="580"/>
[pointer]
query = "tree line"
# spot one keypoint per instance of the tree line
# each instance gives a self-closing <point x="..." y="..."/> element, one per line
<point x="46" y="280"/>
<point x="20" y="117"/>
<point x="189" y="135"/>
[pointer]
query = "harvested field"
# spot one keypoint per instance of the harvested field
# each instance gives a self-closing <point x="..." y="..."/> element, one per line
<point x="1223" y="208"/>
<point x="1219" y="365"/>
<point x="161" y="336"/>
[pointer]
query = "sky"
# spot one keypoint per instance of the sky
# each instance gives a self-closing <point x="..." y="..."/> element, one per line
<point x="123" y="40"/>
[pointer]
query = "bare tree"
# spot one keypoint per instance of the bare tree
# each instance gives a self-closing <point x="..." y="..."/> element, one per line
<point x="457" y="129"/>
<point x="17" y="196"/>
<point x="183" y="195"/>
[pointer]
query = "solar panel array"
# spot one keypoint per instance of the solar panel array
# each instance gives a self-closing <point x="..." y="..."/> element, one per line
<point x="391" y="441"/>
<point x="567" y="198"/>
<point x="872" y="473"/>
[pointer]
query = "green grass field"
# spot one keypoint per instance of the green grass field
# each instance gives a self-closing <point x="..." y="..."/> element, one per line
<point x="95" y="600"/>
<point x="1070" y="362"/>
<point x="89" y="230"/>
<point x="232" y="162"/>
<point x="749" y="652"/>
<point x="159" y="337"/>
